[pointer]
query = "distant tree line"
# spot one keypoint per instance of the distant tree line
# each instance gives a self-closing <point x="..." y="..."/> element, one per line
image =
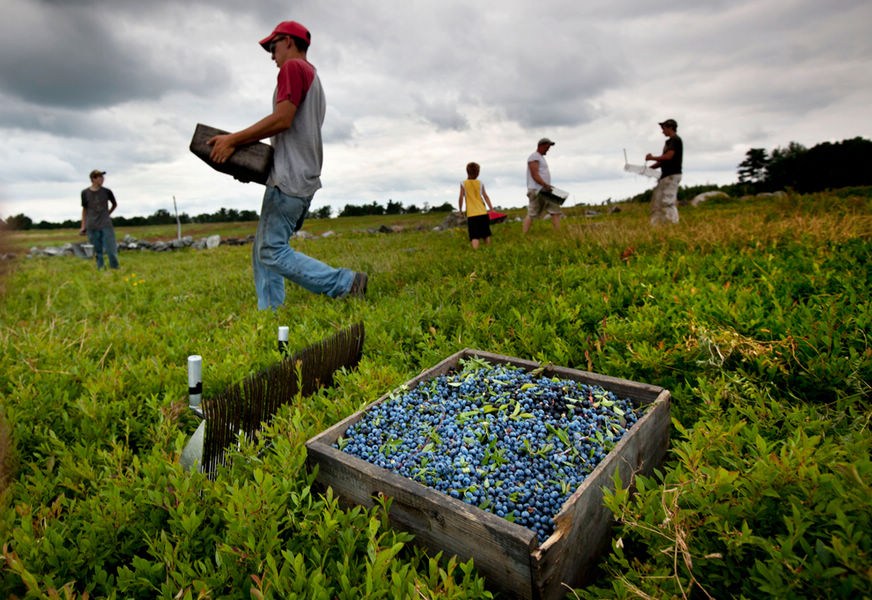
<point x="826" y="166"/>
<point x="393" y="208"/>
<point x="159" y="217"/>
<point x="162" y="216"/>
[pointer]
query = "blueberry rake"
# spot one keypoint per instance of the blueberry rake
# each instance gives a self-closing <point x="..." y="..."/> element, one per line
<point x="244" y="409"/>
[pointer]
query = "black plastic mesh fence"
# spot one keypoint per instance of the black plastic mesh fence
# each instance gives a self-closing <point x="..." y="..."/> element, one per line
<point x="245" y="408"/>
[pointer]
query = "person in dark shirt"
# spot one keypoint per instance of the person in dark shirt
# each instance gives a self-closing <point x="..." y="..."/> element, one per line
<point x="96" y="221"/>
<point x="664" y="201"/>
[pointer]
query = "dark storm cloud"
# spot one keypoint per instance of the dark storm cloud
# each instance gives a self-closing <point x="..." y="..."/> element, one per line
<point x="539" y="67"/>
<point x="15" y="114"/>
<point x="74" y="55"/>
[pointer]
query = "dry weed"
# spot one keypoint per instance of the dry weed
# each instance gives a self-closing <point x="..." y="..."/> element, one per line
<point x="7" y="454"/>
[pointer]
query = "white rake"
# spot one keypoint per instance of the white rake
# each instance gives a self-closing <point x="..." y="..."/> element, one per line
<point x="639" y="169"/>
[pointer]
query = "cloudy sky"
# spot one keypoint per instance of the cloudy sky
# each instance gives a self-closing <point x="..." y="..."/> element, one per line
<point x="415" y="90"/>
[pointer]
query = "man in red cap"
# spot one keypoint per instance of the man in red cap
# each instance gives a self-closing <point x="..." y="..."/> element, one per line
<point x="294" y="129"/>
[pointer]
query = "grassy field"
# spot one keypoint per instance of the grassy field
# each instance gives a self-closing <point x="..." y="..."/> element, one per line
<point x="754" y="314"/>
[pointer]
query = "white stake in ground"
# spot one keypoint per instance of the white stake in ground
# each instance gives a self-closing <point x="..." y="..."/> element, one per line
<point x="178" y="223"/>
<point x="192" y="454"/>
<point x="195" y="380"/>
<point x="283" y="339"/>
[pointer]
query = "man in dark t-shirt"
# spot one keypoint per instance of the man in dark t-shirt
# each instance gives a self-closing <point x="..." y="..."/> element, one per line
<point x="96" y="221"/>
<point x="664" y="200"/>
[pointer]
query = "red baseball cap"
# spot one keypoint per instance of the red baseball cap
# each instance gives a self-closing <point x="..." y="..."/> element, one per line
<point x="291" y="28"/>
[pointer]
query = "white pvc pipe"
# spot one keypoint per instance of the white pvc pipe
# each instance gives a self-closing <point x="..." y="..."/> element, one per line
<point x="283" y="338"/>
<point x="195" y="380"/>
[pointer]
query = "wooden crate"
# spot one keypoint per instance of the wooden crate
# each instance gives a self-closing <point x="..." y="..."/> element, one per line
<point x="506" y="554"/>
<point x="251" y="162"/>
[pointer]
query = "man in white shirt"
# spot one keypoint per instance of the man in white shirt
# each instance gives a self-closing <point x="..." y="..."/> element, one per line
<point x="538" y="181"/>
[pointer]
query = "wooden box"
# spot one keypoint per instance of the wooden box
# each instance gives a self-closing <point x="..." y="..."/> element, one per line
<point x="251" y="162"/>
<point x="508" y="555"/>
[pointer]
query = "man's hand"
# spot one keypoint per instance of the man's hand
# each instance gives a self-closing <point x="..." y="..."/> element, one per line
<point x="222" y="148"/>
<point x="649" y="156"/>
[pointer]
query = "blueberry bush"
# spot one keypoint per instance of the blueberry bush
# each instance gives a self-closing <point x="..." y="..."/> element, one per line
<point x="755" y="314"/>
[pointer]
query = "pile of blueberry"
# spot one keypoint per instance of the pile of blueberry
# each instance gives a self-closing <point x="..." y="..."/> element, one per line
<point x="507" y="440"/>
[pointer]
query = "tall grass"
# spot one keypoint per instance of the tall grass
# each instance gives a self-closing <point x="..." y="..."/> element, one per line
<point x="754" y="314"/>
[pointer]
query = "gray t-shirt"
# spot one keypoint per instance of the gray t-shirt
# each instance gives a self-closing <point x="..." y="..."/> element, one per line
<point x="298" y="151"/>
<point x="96" y="205"/>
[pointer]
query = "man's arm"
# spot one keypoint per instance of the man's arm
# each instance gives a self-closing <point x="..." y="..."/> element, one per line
<point x="533" y="165"/>
<point x="84" y="212"/>
<point x="113" y="202"/>
<point x="667" y="155"/>
<point x="223" y="146"/>
<point x="460" y="198"/>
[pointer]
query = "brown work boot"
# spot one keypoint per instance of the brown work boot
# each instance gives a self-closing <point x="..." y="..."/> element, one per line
<point x="358" y="285"/>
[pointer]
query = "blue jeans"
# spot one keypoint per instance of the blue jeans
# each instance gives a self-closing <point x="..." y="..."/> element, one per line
<point x="274" y="260"/>
<point x="103" y="240"/>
